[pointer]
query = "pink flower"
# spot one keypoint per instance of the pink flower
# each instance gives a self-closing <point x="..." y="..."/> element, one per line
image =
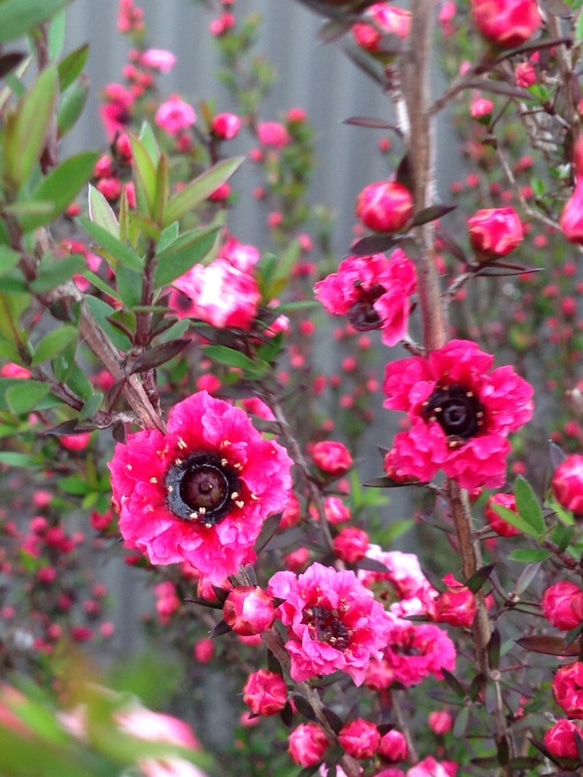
<point x="568" y="689"/>
<point x="226" y="125"/>
<point x="506" y="23"/>
<point x="567" y="483"/>
<point x="495" y="232"/>
<point x="249" y="610"/>
<point x="561" y="739"/>
<point x="497" y="523"/>
<point x="571" y="219"/>
<point x="384" y="206"/>
<point x="155" y="727"/>
<point x="272" y="133"/>
<point x="335" y="510"/>
<point x="456" y="605"/>
<point x="393" y="746"/>
<point x="359" y="738"/>
<point x="201" y="492"/>
<point x="333" y="622"/>
<point x="242" y="256"/>
<point x="175" y="115"/>
<point x="562" y="605"/>
<point x="158" y="59"/>
<point x="373" y="292"/>
<point x="379" y="20"/>
<point x="429" y="767"/>
<point x="414" y="652"/>
<point x="525" y="75"/>
<point x="460" y="415"/>
<point x="115" y="112"/>
<point x="307" y="744"/>
<point x="219" y="294"/>
<point x="265" y="692"/>
<point x="332" y="457"/>
<point x="405" y="581"/>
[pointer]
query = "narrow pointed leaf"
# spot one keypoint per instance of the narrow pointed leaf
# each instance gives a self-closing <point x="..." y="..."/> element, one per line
<point x="54" y="343"/>
<point x="549" y="646"/>
<point x="159" y="355"/>
<point x="28" y="128"/>
<point x="60" y="188"/>
<point x="71" y="66"/>
<point x="24" y="398"/>
<point x="73" y="102"/>
<point x="373" y="244"/>
<point x="162" y="189"/>
<point x="528" y="505"/>
<point x="494" y="648"/>
<point x="432" y="214"/>
<point x="515" y="520"/>
<point x="101" y="212"/>
<point x="198" y="191"/>
<point x="370" y="121"/>
<point x="117" y="250"/>
<point x="190" y="249"/>
<point x="529" y="555"/>
<point x="52" y="273"/>
<point x="145" y="175"/>
<point x="479" y="577"/>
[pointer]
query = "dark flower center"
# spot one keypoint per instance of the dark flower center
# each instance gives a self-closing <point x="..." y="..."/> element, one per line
<point x="327" y="627"/>
<point x="361" y="313"/>
<point x="201" y="488"/>
<point x="458" y="412"/>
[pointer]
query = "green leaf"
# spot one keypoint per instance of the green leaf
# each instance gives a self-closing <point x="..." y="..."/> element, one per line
<point x="27" y="129"/>
<point x="190" y="249"/>
<point x="17" y="17"/>
<point x="91" y="407"/>
<point x="276" y="275"/>
<point x="129" y="286"/>
<point x="54" y="272"/>
<point x="229" y="357"/>
<point x="148" y="139"/>
<point x="8" y="259"/>
<point x="77" y="380"/>
<point x="101" y="310"/>
<point x="515" y="520"/>
<point x="54" y="343"/>
<point x="579" y="28"/>
<point x="528" y="506"/>
<point x="74" y="485"/>
<point x="200" y="188"/>
<point x="56" y="35"/>
<point x="101" y="212"/>
<point x="111" y="246"/>
<point x="72" y="104"/>
<point x="71" y="66"/>
<point x="162" y="189"/>
<point x="60" y="188"/>
<point x="17" y="459"/>
<point x="529" y="555"/>
<point x="26" y="396"/>
<point x="168" y="236"/>
<point x="145" y="175"/>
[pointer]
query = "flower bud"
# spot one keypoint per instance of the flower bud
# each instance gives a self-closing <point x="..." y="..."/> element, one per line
<point x="307" y="744"/>
<point x="506" y="23"/>
<point x="495" y="232"/>
<point x="562" y="605"/>
<point x="561" y="739"/>
<point x="226" y="125"/>
<point x="360" y="738"/>
<point x="567" y="483"/>
<point x="440" y="722"/>
<point x="351" y="544"/>
<point x="384" y="206"/>
<point x="456" y="605"/>
<point x="379" y="20"/>
<point x="568" y="689"/>
<point x="332" y="457"/>
<point x="249" y="610"/>
<point x="393" y="746"/>
<point x="265" y="692"/>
